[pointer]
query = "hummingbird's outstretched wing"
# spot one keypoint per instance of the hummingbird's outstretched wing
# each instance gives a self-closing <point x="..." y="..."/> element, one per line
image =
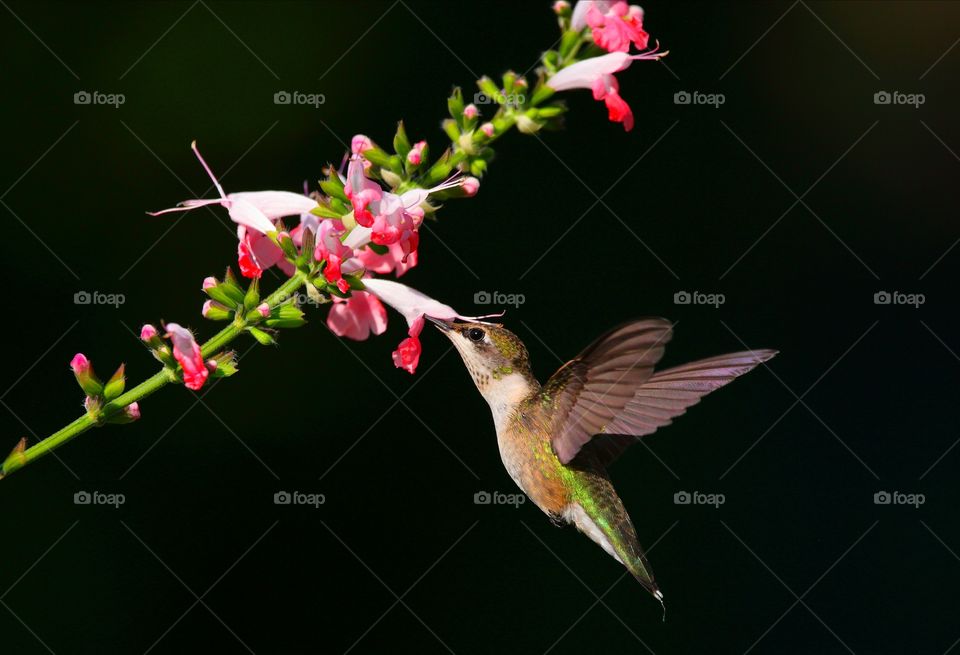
<point x="589" y="392"/>
<point x="666" y="395"/>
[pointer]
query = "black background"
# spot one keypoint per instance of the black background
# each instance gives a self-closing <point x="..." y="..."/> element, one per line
<point x="877" y="382"/>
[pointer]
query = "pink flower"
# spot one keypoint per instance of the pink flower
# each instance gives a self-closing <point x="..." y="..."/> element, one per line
<point x="415" y="156"/>
<point x="358" y="316"/>
<point x="187" y="353"/>
<point x="393" y="260"/>
<point x="395" y="218"/>
<point x="470" y="111"/>
<point x="359" y="143"/>
<point x="414" y="306"/>
<point x="615" y="26"/>
<point x="148" y="333"/>
<point x="597" y="74"/>
<point x="253" y="210"/>
<point x="132" y="411"/>
<point x="470" y="186"/>
<point x="80" y="364"/>
<point x="407" y="354"/>
<point x="339" y="257"/>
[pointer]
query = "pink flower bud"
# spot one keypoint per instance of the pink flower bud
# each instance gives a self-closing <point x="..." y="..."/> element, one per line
<point x="207" y="306"/>
<point x="80" y="364"/>
<point x="359" y="143"/>
<point x="488" y="129"/>
<point x="560" y="7"/>
<point x="132" y="411"/>
<point x="209" y="282"/>
<point x="211" y="365"/>
<point x="470" y="185"/>
<point x="471" y="111"/>
<point x="414" y="157"/>
<point x="148" y="332"/>
<point x="264" y="309"/>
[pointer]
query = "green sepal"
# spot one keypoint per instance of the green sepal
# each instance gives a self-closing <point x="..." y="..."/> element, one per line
<point x="401" y="144"/>
<point x="488" y="87"/>
<point x="232" y="287"/>
<point x="340" y="206"/>
<point x="509" y="79"/>
<point x="377" y="248"/>
<point x="541" y="93"/>
<point x="115" y="385"/>
<point x="455" y="104"/>
<point x="451" y="128"/>
<point x="264" y="338"/>
<point x="287" y="245"/>
<point x="90" y="383"/>
<point x="226" y="364"/>
<point x="333" y="187"/>
<point x="355" y="281"/>
<point x="326" y="212"/>
<point x="568" y="41"/>
<point x="377" y="157"/>
<point x="222" y="293"/>
<point x="286" y="316"/>
<point x="252" y="297"/>
<point x="478" y="167"/>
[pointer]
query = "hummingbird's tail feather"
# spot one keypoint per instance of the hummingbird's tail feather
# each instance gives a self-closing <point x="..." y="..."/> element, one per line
<point x="599" y="513"/>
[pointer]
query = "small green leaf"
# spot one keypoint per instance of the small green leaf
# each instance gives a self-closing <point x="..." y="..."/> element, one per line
<point x="377" y="248"/>
<point x="326" y="212"/>
<point x="455" y="104"/>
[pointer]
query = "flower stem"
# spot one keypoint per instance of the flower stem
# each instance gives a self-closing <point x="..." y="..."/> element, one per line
<point x="18" y="460"/>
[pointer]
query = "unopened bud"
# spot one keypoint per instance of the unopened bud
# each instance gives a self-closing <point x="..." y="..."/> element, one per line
<point x="209" y="282"/>
<point x="215" y="311"/>
<point x="527" y="125"/>
<point x="148" y="333"/>
<point x="359" y="143"/>
<point x="263" y="309"/>
<point x="86" y="378"/>
<point x="488" y="129"/>
<point x="470" y="111"/>
<point x="470" y="185"/>
<point x="561" y="7"/>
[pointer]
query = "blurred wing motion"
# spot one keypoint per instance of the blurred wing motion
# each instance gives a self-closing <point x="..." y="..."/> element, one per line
<point x="591" y="391"/>
<point x="608" y="397"/>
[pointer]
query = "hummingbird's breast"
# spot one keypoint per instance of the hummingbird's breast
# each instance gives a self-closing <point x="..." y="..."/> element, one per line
<point x="528" y="456"/>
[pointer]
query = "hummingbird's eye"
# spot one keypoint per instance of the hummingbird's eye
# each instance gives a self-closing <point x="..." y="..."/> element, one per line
<point x="475" y="335"/>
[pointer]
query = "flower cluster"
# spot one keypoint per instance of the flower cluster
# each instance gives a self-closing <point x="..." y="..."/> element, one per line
<point x="365" y="221"/>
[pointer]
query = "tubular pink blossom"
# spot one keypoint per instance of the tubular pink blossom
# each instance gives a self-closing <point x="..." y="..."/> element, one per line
<point x="394" y="260"/>
<point x="187" y="353"/>
<point x="407" y="354"/>
<point x="357" y="317"/>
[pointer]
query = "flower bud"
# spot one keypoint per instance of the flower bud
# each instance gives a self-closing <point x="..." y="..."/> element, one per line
<point x="86" y="378"/>
<point x="527" y="125"/>
<point x="148" y="333"/>
<point x="263" y="309"/>
<point x="115" y="385"/>
<point x="215" y="311"/>
<point x="561" y="8"/>
<point x="209" y="282"/>
<point x="488" y="129"/>
<point x="132" y="411"/>
<point x="359" y="143"/>
<point x="392" y="179"/>
<point x="470" y="185"/>
<point x="470" y="111"/>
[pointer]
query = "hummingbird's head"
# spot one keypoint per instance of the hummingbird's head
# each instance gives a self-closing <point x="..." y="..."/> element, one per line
<point x="496" y="358"/>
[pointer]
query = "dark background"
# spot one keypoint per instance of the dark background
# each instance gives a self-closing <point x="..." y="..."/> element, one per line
<point x="877" y="383"/>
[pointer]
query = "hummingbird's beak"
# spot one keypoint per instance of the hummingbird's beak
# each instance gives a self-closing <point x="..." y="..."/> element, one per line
<point x="443" y="326"/>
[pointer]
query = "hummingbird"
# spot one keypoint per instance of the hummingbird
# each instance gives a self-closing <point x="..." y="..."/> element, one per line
<point x="557" y="439"/>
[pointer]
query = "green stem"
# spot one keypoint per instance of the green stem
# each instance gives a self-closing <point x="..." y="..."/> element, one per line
<point x="18" y="460"/>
